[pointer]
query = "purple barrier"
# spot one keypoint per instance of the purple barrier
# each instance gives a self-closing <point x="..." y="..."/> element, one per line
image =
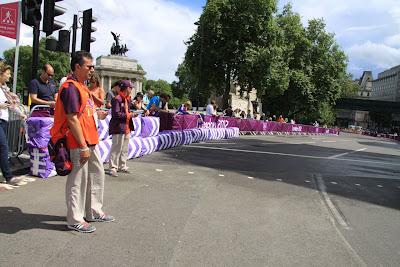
<point x="217" y="133"/>
<point x="39" y="131"/>
<point x="105" y="149"/>
<point x="137" y="123"/>
<point x="187" y="137"/>
<point x="135" y="147"/>
<point x="229" y="122"/>
<point x="103" y="125"/>
<point x="249" y="125"/>
<point x="40" y="164"/>
<point x="231" y="132"/>
<point x="188" y="121"/>
<point x="210" y="121"/>
<point x="150" y="126"/>
<point x="169" y="139"/>
<point x="149" y="145"/>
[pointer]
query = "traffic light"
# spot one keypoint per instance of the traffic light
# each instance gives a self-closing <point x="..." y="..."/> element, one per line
<point x="63" y="41"/>
<point x="87" y="30"/>
<point x="51" y="10"/>
<point x="31" y="12"/>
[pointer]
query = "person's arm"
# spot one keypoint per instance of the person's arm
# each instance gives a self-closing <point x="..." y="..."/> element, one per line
<point x="76" y="130"/>
<point x="38" y="101"/>
<point x="98" y="100"/>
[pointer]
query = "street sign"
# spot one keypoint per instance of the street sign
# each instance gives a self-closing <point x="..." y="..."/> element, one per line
<point x="9" y="20"/>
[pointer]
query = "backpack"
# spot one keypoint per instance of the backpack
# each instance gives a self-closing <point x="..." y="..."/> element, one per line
<point x="60" y="156"/>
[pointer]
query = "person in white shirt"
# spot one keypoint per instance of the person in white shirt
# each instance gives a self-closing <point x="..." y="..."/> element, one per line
<point x="210" y="108"/>
<point x="8" y="101"/>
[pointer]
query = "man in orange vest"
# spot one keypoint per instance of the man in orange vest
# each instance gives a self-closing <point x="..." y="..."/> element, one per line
<point x="74" y="118"/>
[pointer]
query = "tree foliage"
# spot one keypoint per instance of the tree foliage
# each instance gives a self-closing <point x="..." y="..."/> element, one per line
<point x="299" y="71"/>
<point x="60" y="62"/>
<point x="159" y="86"/>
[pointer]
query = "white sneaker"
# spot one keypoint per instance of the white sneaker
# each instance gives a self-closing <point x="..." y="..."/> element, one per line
<point x="6" y="186"/>
<point x="28" y="179"/>
<point x="16" y="181"/>
<point x="113" y="173"/>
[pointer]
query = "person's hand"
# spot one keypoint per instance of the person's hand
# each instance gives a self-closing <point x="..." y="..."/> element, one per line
<point x="102" y="114"/>
<point x="52" y="104"/>
<point x="84" y="155"/>
<point x="134" y="115"/>
<point x="23" y="116"/>
<point x="4" y="105"/>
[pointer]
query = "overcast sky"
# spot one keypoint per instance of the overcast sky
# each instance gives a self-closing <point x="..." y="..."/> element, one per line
<point x="155" y="30"/>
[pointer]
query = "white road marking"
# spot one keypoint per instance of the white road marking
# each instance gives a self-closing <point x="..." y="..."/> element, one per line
<point x="159" y="170"/>
<point x="347" y="153"/>
<point x="357" y="184"/>
<point x="329" y="204"/>
<point x="251" y="178"/>
<point x="294" y="155"/>
<point x="190" y="172"/>
<point x="333" y="183"/>
<point x="328" y="141"/>
<point x="380" y="186"/>
<point x="279" y="180"/>
<point x="307" y="181"/>
<point x="221" y="175"/>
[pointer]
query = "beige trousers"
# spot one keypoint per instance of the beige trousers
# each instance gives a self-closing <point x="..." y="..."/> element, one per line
<point x="85" y="187"/>
<point x="119" y="152"/>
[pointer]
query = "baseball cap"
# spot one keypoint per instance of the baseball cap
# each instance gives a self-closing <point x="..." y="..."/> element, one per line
<point x="125" y="84"/>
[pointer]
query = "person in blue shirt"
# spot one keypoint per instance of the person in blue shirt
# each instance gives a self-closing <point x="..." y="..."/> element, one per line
<point x="43" y="90"/>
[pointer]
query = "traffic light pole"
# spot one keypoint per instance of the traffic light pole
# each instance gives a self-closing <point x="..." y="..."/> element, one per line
<point x="74" y="29"/>
<point x="35" y="51"/>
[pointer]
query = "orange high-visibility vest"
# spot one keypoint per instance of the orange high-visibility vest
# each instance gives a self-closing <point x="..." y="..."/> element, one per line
<point x="85" y="115"/>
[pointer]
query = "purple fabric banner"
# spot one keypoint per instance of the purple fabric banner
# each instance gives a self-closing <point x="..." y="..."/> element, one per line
<point x="40" y="164"/>
<point x="39" y="131"/>
<point x="229" y="122"/>
<point x="188" y="121"/>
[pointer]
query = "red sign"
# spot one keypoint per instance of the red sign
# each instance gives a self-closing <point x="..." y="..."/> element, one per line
<point x="9" y="20"/>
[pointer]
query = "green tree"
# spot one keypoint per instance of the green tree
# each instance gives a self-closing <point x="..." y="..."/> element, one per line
<point x="60" y="62"/>
<point x="235" y="42"/>
<point x="159" y="86"/>
<point x="317" y="71"/>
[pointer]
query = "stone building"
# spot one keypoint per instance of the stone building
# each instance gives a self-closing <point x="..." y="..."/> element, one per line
<point x="387" y="86"/>
<point x="113" y="68"/>
<point x="245" y="102"/>
<point x="365" y="85"/>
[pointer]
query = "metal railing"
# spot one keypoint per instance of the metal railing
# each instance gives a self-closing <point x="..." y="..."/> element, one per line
<point x="16" y="134"/>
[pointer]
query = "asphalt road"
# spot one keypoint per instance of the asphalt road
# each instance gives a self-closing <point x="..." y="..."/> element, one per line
<point x="251" y="201"/>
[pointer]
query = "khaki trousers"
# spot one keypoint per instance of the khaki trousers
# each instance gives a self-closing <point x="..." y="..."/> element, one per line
<point x="85" y="187"/>
<point x="119" y="152"/>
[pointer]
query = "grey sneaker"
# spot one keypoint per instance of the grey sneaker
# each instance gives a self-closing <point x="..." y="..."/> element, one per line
<point x="82" y="227"/>
<point x="125" y="170"/>
<point x="102" y="218"/>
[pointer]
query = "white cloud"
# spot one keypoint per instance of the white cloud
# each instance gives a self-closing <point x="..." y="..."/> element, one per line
<point x="374" y="54"/>
<point x="393" y="41"/>
<point x="364" y="28"/>
<point x="154" y="31"/>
